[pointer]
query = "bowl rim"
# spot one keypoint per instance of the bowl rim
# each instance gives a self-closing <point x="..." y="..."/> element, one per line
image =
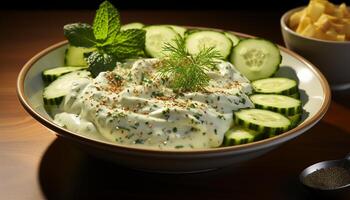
<point x="168" y="152"/>
<point x="285" y="27"/>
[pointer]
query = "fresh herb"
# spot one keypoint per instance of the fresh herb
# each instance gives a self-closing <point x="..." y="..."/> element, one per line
<point x="105" y="36"/>
<point x="106" y="23"/>
<point x="79" y="34"/>
<point x="184" y="71"/>
<point x="99" y="62"/>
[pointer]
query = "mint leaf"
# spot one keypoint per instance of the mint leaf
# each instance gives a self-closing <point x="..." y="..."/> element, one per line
<point x="99" y="62"/>
<point x="106" y="23"/>
<point x="79" y="34"/>
<point x="127" y="44"/>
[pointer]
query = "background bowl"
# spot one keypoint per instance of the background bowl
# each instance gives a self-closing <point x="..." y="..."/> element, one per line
<point x="315" y="94"/>
<point x="331" y="57"/>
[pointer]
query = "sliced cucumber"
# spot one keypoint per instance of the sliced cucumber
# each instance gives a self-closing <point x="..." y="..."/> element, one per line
<point x="295" y="120"/>
<point x="156" y="37"/>
<point x="134" y="25"/>
<point x="278" y="103"/>
<point x="295" y="95"/>
<point x="238" y="135"/>
<point x="276" y="85"/>
<point x="233" y="38"/>
<point x="75" y="55"/>
<point x="50" y="75"/>
<point x="178" y="29"/>
<point x="55" y="92"/>
<point x="205" y="39"/>
<point x="256" y="58"/>
<point x="262" y="121"/>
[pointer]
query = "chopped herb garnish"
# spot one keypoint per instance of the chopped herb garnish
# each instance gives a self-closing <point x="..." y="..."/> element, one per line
<point x="179" y="146"/>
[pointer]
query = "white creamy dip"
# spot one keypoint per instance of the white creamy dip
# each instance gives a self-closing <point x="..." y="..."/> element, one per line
<point x="133" y="106"/>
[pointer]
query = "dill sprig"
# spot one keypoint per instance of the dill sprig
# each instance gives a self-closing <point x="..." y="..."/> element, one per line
<point x="186" y="72"/>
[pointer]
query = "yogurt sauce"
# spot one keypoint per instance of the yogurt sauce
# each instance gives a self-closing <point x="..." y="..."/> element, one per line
<point x="132" y="105"/>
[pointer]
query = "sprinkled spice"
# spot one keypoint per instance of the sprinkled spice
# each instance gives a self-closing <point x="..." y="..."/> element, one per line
<point x="328" y="178"/>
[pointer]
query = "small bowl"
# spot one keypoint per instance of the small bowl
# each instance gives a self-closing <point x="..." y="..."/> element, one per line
<point x="315" y="95"/>
<point x="331" y="57"/>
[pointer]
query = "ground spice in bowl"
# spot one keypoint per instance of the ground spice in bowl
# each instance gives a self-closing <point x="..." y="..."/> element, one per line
<point x="328" y="178"/>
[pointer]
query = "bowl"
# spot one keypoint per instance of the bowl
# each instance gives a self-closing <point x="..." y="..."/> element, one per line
<point x="331" y="57"/>
<point x="315" y="94"/>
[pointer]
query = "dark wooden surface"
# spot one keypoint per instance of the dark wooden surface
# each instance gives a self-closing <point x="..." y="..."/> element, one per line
<point x="34" y="164"/>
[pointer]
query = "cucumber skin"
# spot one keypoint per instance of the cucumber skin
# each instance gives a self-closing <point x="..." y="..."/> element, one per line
<point x="288" y="92"/>
<point x="266" y="131"/>
<point x="56" y="101"/>
<point x="284" y="111"/>
<point x="53" y="102"/>
<point x="80" y="63"/>
<point x="244" y="39"/>
<point x="295" y="95"/>
<point x="233" y="142"/>
<point x="48" y="78"/>
<point x="295" y="120"/>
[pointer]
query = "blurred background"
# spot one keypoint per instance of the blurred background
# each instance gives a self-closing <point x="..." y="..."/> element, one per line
<point x="159" y="4"/>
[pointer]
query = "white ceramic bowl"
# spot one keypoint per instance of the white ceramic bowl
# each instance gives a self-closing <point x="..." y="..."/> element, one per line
<point x="331" y="57"/>
<point x="314" y="90"/>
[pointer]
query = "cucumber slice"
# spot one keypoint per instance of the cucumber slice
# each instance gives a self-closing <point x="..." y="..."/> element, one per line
<point x="256" y="58"/>
<point x="233" y="38"/>
<point x="295" y="95"/>
<point x="75" y="55"/>
<point x="55" y="92"/>
<point x="239" y="135"/>
<point x="276" y="85"/>
<point x="200" y="39"/>
<point x="178" y="29"/>
<point x="278" y="103"/>
<point x="50" y="75"/>
<point x="295" y="120"/>
<point x="134" y="25"/>
<point x="156" y="37"/>
<point x="262" y="121"/>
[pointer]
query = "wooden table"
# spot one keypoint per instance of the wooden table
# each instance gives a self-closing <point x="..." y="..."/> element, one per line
<point x="34" y="164"/>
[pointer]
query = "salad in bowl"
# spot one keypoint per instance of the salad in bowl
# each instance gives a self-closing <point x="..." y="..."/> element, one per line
<point x="170" y="93"/>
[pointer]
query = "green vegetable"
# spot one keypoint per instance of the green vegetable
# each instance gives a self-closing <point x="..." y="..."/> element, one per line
<point x="106" y="23"/>
<point x="105" y="35"/>
<point x="184" y="71"/>
<point x="99" y="62"/>
<point x="127" y="44"/>
<point x="80" y="35"/>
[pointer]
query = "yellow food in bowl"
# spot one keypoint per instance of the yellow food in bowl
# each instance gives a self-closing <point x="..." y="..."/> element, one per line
<point x="322" y="20"/>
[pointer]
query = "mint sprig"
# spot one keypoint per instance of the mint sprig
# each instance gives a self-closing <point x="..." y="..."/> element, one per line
<point x="106" y="23"/>
<point x="126" y="44"/>
<point x="80" y="34"/>
<point x="111" y="43"/>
